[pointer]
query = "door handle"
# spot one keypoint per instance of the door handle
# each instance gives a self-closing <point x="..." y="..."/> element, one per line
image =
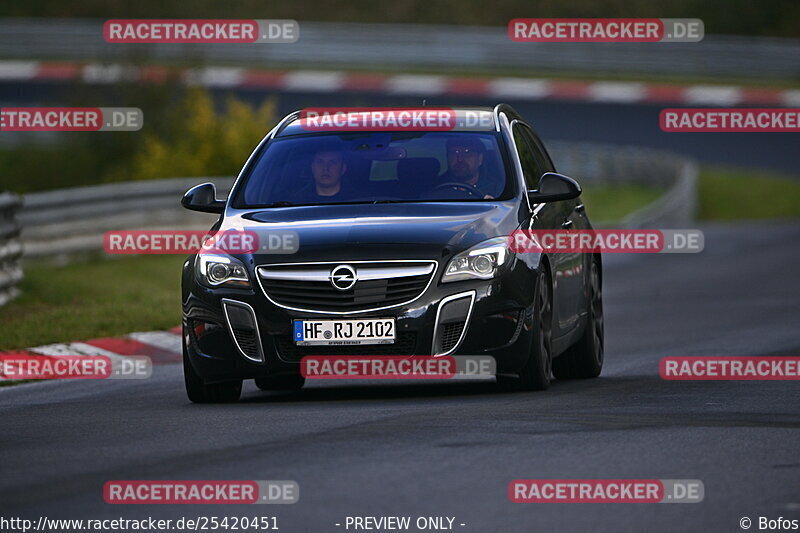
<point x="580" y="208"/>
<point x="566" y="224"/>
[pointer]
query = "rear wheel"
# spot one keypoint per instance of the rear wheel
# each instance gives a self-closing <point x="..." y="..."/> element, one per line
<point x="202" y="392"/>
<point x="535" y="375"/>
<point x="284" y="383"/>
<point x="584" y="359"/>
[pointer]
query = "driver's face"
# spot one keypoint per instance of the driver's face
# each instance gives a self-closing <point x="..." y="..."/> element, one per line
<point x="328" y="168"/>
<point x="464" y="162"/>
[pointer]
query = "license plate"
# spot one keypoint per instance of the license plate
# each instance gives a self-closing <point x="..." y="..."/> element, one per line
<point x="345" y="332"/>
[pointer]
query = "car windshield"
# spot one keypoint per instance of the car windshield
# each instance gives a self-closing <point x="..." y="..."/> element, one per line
<point x="376" y="167"/>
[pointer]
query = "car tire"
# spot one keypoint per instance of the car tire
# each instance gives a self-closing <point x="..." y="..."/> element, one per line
<point x="199" y="391"/>
<point x="535" y="375"/>
<point x="584" y="359"/>
<point x="281" y="383"/>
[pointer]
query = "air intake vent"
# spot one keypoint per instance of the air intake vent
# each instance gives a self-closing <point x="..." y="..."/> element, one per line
<point x="452" y="320"/>
<point x="247" y="341"/>
<point x="450" y="335"/>
<point x="244" y="329"/>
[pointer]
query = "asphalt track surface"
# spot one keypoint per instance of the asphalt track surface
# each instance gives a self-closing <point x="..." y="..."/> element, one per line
<point x="451" y="449"/>
<point x="635" y="124"/>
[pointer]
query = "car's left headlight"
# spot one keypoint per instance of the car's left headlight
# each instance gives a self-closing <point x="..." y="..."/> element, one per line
<point x="482" y="261"/>
<point x="218" y="270"/>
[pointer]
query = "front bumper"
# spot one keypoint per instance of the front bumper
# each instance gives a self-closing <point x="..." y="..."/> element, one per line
<point x="223" y="343"/>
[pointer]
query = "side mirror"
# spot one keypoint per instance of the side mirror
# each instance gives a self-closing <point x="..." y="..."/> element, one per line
<point x="203" y="198"/>
<point x="554" y="187"/>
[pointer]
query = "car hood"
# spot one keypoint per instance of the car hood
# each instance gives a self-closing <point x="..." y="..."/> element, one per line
<point x="371" y="231"/>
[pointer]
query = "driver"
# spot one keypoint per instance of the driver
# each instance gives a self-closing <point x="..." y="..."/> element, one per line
<point x="327" y="167"/>
<point x="465" y="164"/>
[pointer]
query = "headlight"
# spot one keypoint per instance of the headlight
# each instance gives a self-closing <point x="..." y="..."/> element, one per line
<point x="479" y="262"/>
<point x="216" y="270"/>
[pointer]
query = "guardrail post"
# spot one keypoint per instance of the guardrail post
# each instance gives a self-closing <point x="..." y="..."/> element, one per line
<point x="10" y="247"/>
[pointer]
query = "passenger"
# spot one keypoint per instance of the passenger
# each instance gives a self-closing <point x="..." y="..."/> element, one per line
<point x="327" y="167"/>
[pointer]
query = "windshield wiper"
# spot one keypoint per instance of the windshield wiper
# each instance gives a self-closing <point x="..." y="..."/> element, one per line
<point x="280" y="204"/>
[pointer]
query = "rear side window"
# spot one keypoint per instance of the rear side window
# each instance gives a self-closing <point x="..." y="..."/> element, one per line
<point x="533" y="158"/>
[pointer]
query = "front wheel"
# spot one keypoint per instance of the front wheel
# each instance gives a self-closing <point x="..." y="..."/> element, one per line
<point x="199" y="391"/>
<point x="585" y="358"/>
<point x="535" y="375"/>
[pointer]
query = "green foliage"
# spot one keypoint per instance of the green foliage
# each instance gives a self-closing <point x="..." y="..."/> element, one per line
<point x="183" y="135"/>
<point x="202" y="143"/>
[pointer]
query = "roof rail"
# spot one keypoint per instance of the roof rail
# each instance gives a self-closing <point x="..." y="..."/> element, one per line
<point x="285" y="121"/>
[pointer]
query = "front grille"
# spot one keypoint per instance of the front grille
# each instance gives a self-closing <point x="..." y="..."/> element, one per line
<point x="387" y="284"/>
<point x="450" y="335"/>
<point x="246" y="338"/>
<point x="289" y="351"/>
<point x="321" y="295"/>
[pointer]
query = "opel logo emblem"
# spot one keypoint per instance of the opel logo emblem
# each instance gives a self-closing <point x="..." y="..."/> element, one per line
<point x="343" y="277"/>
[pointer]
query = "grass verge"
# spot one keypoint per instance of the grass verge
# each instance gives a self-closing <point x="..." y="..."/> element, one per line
<point x="736" y="194"/>
<point x="91" y="298"/>
<point x="608" y="204"/>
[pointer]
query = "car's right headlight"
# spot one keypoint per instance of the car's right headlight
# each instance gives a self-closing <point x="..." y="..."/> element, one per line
<point x="218" y="270"/>
<point x="482" y="261"/>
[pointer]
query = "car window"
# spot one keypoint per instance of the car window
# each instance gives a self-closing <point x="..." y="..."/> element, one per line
<point x="377" y="166"/>
<point x="533" y="158"/>
<point x="542" y="157"/>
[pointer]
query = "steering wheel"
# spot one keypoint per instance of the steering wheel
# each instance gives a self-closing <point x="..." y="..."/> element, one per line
<point x="469" y="189"/>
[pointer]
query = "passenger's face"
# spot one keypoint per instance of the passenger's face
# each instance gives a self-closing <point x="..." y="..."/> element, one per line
<point x="463" y="161"/>
<point x="328" y="168"/>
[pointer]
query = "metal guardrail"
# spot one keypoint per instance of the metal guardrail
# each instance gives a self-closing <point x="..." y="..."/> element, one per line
<point x="403" y="46"/>
<point x="67" y="221"/>
<point x="10" y="247"/>
<point x="612" y="164"/>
